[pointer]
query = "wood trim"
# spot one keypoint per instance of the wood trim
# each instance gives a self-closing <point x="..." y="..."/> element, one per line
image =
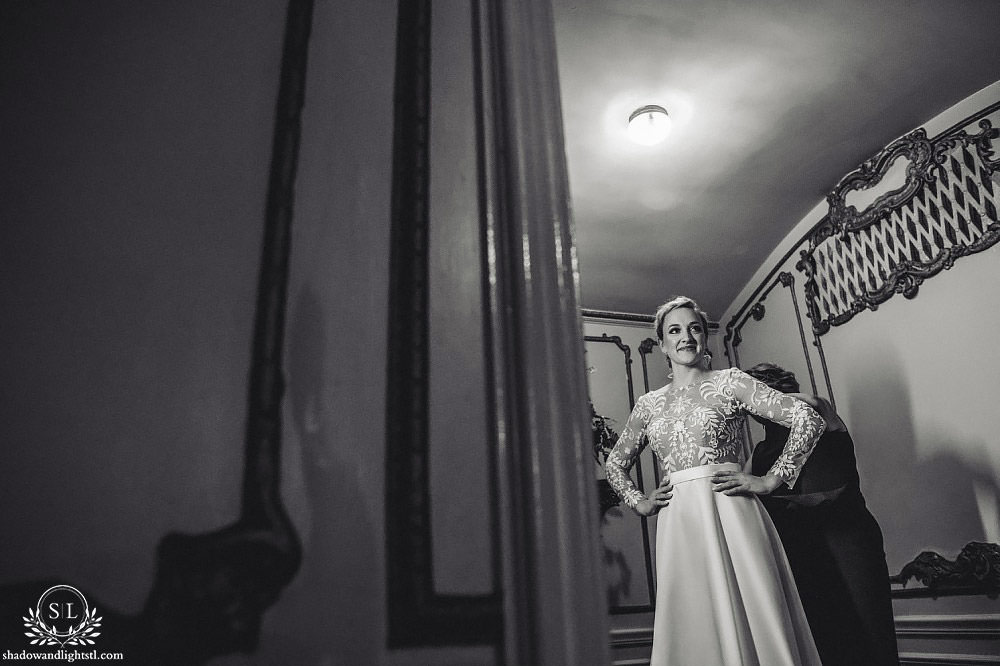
<point x="617" y="316"/>
<point x="951" y="627"/>
<point x="788" y="281"/>
<point x="818" y="343"/>
<point x="627" y="352"/>
<point x="631" y="318"/>
<point x="417" y="615"/>
<point x="647" y="557"/>
<point x="549" y="556"/>
<point x="967" y="627"/>
<point x="943" y="659"/>
<point x="645" y="348"/>
<point x="734" y="331"/>
<point x="905" y="659"/>
<point x="632" y="638"/>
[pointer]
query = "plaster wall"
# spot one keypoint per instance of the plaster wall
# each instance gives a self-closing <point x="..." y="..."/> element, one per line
<point x="915" y="381"/>
<point x="138" y="146"/>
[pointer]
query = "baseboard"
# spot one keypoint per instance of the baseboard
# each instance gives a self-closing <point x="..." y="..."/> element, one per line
<point x="978" y="628"/>
<point x="941" y="659"/>
<point x="905" y="659"/>
<point x="631" y="638"/>
<point x="951" y="627"/>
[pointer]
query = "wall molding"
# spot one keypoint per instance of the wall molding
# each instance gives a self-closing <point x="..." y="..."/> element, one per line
<point x="539" y="613"/>
<point x="632" y="637"/>
<point x="946" y="209"/>
<point x="814" y="229"/>
<point x="734" y="329"/>
<point x="943" y="659"/>
<point x="925" y="157"/>
<point x="974" y="571"/>
<point x="646" y="347"/>
<point x="947" y="627"/>
<point x="630" y="317"/>
<point x="211" y="590"/>
<point x="552" y="614"/>
<point x="950" y="627"/>
<point x="627" y="352"/>
<point x="905" y="659"/>
<point x="417" y="614"/>
<point x="757" y="311"/>
<point x="646" y="541"/>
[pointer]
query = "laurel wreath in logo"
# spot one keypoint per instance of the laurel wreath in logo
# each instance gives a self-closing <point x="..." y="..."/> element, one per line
<point x="42" y="634"/>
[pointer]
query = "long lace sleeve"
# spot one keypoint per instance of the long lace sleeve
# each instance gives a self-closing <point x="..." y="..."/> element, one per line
<point x="625" y="452"/>
<point x="805" y="423"/>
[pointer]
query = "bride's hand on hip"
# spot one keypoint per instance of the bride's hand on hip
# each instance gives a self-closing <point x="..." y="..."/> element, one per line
<point x="741" y="483"/>
<point x="658" y="499"/>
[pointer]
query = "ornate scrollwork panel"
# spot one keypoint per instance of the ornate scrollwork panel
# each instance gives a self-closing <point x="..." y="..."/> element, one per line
<point x="976" y="570"/>
<point x="946" y="209"/>
<point x="913" y="147"/>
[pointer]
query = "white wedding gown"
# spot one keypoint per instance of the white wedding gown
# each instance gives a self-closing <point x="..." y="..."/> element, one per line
<point x="725" y="594"/>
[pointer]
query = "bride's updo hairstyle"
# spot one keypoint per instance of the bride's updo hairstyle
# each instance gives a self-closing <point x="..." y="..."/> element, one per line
<point x="673" y="304"/>
<point x="775" y="376"/>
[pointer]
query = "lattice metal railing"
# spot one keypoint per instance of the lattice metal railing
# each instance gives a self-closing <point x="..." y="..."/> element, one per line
<point x="945" y="209"/>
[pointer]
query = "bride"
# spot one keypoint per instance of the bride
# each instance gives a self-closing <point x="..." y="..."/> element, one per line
<point x="724" y="593"/>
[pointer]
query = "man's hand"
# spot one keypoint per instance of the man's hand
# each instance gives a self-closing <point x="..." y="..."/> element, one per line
<point x="741" y="483"/>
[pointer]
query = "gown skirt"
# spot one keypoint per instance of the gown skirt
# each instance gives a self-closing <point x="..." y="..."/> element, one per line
<point x="725" y="595"/>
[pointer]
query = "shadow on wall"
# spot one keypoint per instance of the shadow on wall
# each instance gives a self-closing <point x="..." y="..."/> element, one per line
<point x="212" y="590"/>
<point x="617" y="573"/>
<point x="312" y="624"/>
<point x="921" y="504"/>
<point x="209" y="595"/>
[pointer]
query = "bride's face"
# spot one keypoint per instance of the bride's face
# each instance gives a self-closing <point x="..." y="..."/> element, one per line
<point x="684" y="337"/>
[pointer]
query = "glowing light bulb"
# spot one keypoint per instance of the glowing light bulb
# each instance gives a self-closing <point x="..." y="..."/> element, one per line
<point x="649" y="125"/>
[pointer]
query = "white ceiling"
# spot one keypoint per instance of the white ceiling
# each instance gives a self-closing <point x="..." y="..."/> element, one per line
<point x="773" y="101"/>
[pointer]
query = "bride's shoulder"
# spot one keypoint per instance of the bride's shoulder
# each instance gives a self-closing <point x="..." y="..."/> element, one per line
<point x="657" y="397"/>
<point x="726" y="373"/>
<point x="656" y="393"/>
<point x="729" y="378"/>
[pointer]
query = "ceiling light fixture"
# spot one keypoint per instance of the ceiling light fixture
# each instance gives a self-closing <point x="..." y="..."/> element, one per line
<point x="649" y="124"/>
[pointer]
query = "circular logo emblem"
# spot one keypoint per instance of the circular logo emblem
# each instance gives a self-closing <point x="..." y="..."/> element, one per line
<point x="62" y="617"/>
<point x="63" y="608"/>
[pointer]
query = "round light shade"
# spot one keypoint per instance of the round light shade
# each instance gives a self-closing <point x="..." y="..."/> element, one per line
<point x="649" y="125"/>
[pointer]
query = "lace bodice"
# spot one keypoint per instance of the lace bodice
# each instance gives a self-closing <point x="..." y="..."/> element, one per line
<point x="703" y="423"/>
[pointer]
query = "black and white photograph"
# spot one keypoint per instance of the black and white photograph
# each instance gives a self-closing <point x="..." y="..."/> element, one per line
<point x="500" y="332"/>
